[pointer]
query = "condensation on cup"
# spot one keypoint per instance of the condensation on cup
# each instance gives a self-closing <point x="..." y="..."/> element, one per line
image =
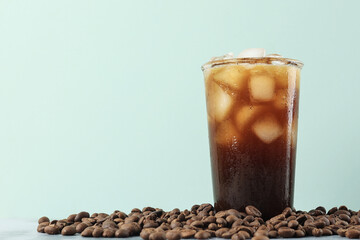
<point x="252" y="108"/>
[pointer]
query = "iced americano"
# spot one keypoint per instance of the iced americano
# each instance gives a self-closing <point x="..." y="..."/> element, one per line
<point x="252" y="107"/>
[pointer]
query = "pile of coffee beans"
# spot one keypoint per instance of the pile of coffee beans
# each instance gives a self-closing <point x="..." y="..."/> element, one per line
<point x="202" y="222"/>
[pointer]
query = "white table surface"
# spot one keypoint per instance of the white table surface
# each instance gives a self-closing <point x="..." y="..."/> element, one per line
<point x="16" y="229"/>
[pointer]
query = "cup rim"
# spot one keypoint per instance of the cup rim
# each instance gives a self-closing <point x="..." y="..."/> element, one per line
<point x="254" y="60"/>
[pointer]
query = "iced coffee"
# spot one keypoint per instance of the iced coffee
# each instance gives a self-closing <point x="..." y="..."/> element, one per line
<point x="252" y="110"/>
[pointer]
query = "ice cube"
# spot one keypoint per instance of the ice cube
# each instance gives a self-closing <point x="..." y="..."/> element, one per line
<point x="244" y="115"/>
<point x="219" y="102"/>
<point x="233" y="76"/>
<point x="226" y="133"/>
<point x="267" y="129"/>
<point x="252" y="53"/>
<point x="262" y="88"/>
<point x="223" y="57"/>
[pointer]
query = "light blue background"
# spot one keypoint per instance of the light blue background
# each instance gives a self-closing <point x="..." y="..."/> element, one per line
<point x="103" y="107"/>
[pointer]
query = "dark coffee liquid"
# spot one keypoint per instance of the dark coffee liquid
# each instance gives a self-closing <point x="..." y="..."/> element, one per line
<point x="245" y="169"/>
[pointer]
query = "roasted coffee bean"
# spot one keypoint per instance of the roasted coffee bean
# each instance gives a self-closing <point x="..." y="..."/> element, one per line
<point x="249" y="218"/>
<point x="238" y="236"/>
<point x="272" y="234"/>
<point x="202" y="235"/>
<point x="352" y="233"/>
<point x="123" y="233"/>
<point x="261" y="233"/>
<point x="80" y="216"/>
<point x="231" y="219"/>
<point x="338" y="212"/>
<point x="286" y="232"/>
<point x="87" y="232"/>
<point x="343" y="208"/>
<point x="98" y="232"/>
<point x="213" y="226"/>
<point x="51" y="229"/>
<point x="321" y="208"/>
<point x="251" y="210"/>
<point x="109" y="224"/>
<point x="228" y="234"/>
<point x="220" y="232"/>
<point x="43" y="219"/>
<point x="327" y="232"/>
<point x="344" y="217"/>
<point x="238" y="222"/>
<point x="80" y="227"/>
<point x="145" y="233"/>
<point x="71" y="218"/>
<point x="319" y="224"/>
<point x="198" y="224"/>
<point x="332" y="210"/>
<point x="108" y="232"/>
<point x="221" y="222"/>
<point x="316" y="232"/>
<point x="299" y="233"/>
<point x="260" y="238"/>
<point x="42" y="226"/>
<point x="194" y="208"/>
<point x="287" y="212"/>
<point x="341" y="232"/>
<point x="281" y="224"/>
<point x="187" y="233"/>
<point x="246" y="234"/>
<point x="293" y="224"/>
<point x="220" y="214"/>
<point x="68" y="231"/>
<point x="173" y="235"/>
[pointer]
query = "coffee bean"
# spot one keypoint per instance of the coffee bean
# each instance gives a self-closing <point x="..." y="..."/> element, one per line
<point x="51" y="229"/>
<point x="251" y="210"/>
<point x="220" y="232"/>
<point x="293" y="224"/>
<point x="319" y="224"/>
<point x="220" y="214"/>
<point x="287" y="212"/>
<point x="202" y="235"/>
<point x="327" y="232"/>
<point x="352" y="233"/>
<point x="343" y="208"/>
<point x="341" y="232"/>
<point x="238" y="236"/>
<point x="286" y="232"/>
<point x="281" y="224"/>
<point x="229" y="233"/>
<point x="338" y="212"/>
<point x="299" y="233"/>
<point x="42" y="226"/>
<point x="231" y="219"/>
<point x="173" y="235"/>
<point x="187" y="233"/>
<point x="249" y="218"/>
<point x="87" y="232"/>
<point x="98" y="232"/>
<point x="43" y="219"/>
<point x="316" y="232"/>
<point x="321" y="208"/>
<point x="198" y="224"/>
<point x="332" y="210"/>
<point x="213" y="226"/>
<point x="245" y="234"/>
<point x="261" y="233"/>
<point x="238" y="222"/>
<point x="68" y="231"/>
<point x="71" y="218"/>
<point x="145" y="233"/>
<point x="80" y="216"/>
<point x="344" y="217"/>
<point x="260" y="238"/>
<point x="108" y="232"/>
<point x="157" y="236"/>
<point x="221" y="222"/>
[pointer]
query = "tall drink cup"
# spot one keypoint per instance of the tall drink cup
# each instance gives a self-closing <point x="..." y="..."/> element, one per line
<point x="252" y="106"/>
